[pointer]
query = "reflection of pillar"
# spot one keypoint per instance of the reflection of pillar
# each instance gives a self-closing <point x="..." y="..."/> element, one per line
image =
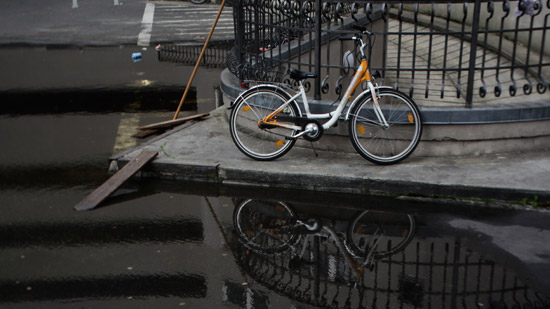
<point x="317" y="248"/>
<point x="75" y="4"/>
<point x="244" y="296"/>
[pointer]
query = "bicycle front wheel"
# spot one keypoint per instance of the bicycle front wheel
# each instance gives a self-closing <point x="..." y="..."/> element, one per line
<point x="265" y="226"/>
<point x="253" y="106"/>
<point x="380" y="143"/>
<point x="379" y="234"/>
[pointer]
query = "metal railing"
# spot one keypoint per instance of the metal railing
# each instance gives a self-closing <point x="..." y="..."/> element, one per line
<point x="214" y="56"/>
<point x="461" y="52"/>
<point x="429" y="273"/>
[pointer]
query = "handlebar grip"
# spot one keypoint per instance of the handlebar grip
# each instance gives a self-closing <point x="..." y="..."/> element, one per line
<point x="347" y="38"/>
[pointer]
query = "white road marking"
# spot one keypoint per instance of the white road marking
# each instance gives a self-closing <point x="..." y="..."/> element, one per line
<point x="126" y="128"/>
<point x="144" y="37"/>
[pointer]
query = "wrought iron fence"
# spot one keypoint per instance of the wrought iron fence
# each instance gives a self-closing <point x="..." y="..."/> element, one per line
<point x="429" y="273"/>
<point x="460" y="51"/>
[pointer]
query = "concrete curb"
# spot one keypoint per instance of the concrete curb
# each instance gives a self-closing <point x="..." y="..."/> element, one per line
<point x="204" y="152"/>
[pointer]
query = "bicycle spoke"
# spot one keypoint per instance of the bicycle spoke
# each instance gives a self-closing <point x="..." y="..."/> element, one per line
<point x="370" y="231"/>
<point x="251" y="107"/>
<point x="254" y="141"/>
<point x="368" y="121"/>
<point x="263" y="226"/>
<point x="385" y="144"/>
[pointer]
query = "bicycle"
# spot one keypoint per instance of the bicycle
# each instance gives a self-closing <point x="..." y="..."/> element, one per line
<point x="384" y="124"/>
<point x="271" y="227"/>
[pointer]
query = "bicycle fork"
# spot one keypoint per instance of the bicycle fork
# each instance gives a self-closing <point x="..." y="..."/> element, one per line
<point x="363" y="75"/>
<point x="377" y="109"/>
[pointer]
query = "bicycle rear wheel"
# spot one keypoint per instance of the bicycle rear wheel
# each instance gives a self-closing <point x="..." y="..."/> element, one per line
<point x="380" y="144"/>
<point x="251" y="107"/>
<point x="265" y="226"/>
<point x="379" y="234"/>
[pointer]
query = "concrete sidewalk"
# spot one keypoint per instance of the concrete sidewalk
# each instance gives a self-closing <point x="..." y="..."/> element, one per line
<point x="203" y="151"/>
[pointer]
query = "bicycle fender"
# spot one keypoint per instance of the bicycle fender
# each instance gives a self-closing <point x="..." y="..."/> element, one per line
<point x="361" y="96"/>
<point x="253" y="88"/>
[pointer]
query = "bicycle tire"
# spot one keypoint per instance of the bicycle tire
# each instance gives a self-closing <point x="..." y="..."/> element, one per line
<point x="198" y="1"/>
<point x="386" y="145"/>
<point x="254" y="223"/>
<point x="252" y="106"/>
<point x="397" y="229"/>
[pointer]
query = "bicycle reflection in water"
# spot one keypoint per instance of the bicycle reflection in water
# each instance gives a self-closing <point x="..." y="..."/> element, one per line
<point x="289" y="247"/>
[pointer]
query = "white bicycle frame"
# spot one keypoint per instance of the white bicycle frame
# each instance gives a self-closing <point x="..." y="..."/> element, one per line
<point x="361" y="75"/>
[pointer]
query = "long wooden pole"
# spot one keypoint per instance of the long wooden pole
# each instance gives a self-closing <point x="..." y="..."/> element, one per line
<point x="199" y="60"/>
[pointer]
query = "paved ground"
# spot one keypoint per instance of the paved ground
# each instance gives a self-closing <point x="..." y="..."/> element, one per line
<point x="204" y="151"/>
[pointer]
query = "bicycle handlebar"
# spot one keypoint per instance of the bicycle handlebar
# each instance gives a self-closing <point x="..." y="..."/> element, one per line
<point x="347" y="38"/>
<point x="358" y="37"/>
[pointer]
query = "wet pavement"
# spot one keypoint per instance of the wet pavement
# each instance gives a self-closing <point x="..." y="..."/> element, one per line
<point x="176" y="244"/>
<point x="172" y="244"/>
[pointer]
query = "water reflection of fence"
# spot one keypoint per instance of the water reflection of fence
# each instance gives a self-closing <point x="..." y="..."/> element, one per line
<point x="215" y="54"/>
<point x="455" y="49"/>
<point x="430" y="272"/>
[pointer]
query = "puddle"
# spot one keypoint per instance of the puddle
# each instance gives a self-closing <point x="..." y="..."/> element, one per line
<point x="154" y="244"/>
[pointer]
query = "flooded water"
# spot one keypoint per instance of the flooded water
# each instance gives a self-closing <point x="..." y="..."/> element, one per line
<point x="162" y="244"/>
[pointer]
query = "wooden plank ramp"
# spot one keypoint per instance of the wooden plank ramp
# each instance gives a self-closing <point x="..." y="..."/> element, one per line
<point x="112" y="184"/>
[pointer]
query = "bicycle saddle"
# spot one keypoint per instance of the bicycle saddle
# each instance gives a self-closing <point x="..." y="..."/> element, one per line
<point x="299" y="75"/>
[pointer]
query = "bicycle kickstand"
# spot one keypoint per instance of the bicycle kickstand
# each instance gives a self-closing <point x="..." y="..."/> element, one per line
<point x="314" y="150"/>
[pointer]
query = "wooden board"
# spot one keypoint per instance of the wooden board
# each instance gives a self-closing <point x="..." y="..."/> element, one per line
<point x="146" y="133"/>
<point x="112" y="184"/>
<point x="172" y="123"/>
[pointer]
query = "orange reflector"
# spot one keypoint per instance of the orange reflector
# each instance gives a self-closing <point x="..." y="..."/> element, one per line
<point x="361" y="129"/>
<point x="279" y="143"/>
<point x="411" y="118"/>
<point x="246" y="108"/>
<point x="280" y="208"/>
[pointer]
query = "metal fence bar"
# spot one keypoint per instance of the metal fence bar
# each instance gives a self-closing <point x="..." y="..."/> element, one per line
<point x="318" y="23"/>
<point x="473" y="50"/>
<point x="419" y="45"/>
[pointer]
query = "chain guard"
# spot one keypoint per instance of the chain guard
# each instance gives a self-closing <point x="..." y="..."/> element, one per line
<point x="316" y="134"/>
